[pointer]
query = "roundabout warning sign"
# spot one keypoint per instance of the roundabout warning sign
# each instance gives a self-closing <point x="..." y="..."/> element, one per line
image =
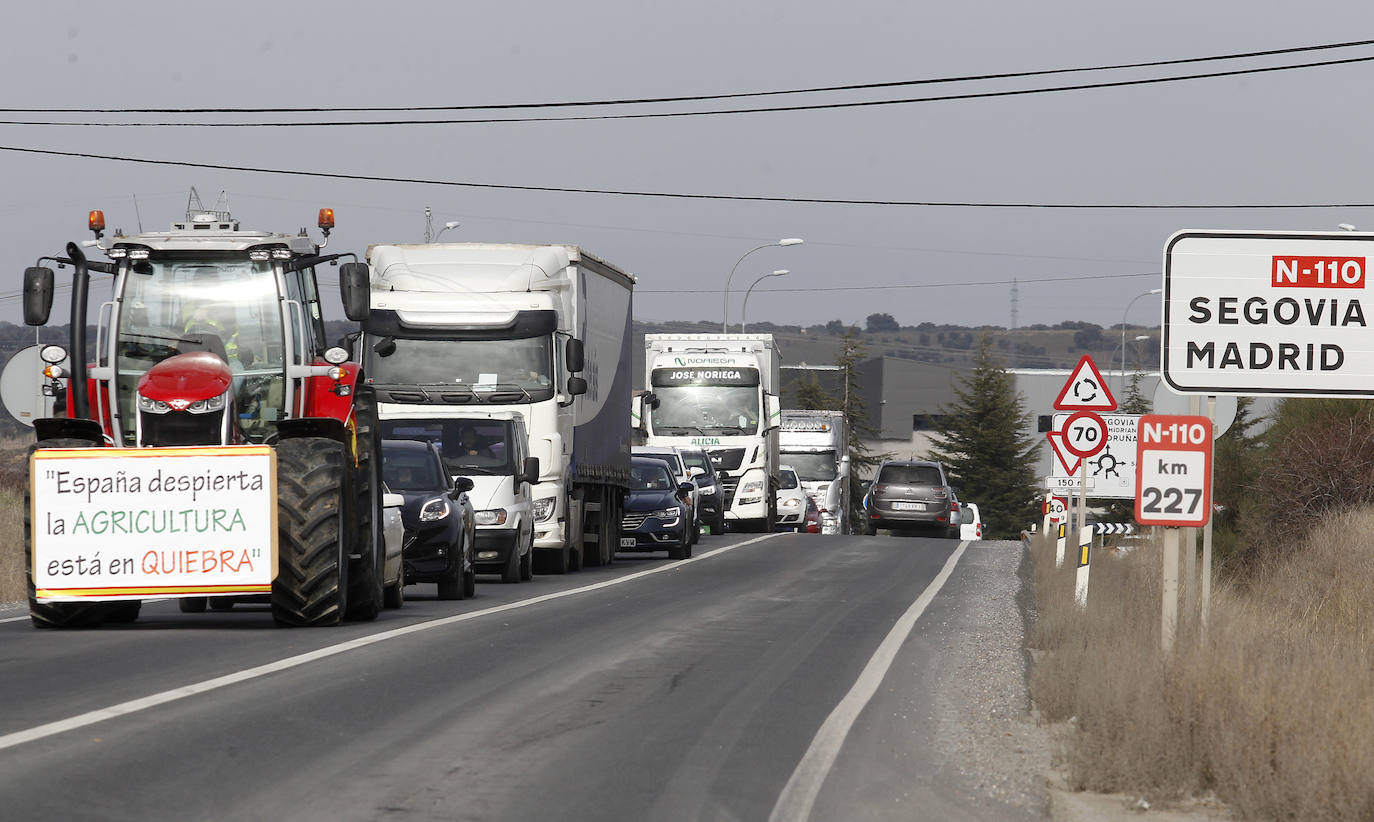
<point x="1268" y="313"/>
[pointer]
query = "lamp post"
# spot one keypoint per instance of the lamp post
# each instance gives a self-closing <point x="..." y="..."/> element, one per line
<point x="1139" y="339"/>
<point x="743" y="308"/>
<point x="447" y="226"/>
<point x="725" y="298"/>
<point x="1122" y="388"/>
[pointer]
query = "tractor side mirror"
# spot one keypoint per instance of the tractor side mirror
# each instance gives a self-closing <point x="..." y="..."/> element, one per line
<point x="38" y="290"/>
<point x="576" y="386"/>
<point x="355" y="290"/>
<point x="575" y="355"/>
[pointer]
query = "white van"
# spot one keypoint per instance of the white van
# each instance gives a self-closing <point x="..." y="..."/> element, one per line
<point x="492" y="449"/>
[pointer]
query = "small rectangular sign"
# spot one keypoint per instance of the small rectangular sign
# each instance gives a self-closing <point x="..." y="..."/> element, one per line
<point x="1174" y="471"/>
<point x="153" y="522"/>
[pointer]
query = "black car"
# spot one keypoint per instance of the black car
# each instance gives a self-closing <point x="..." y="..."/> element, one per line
<point x="437" y="516"/>
<point x="656" y="510"/>
<point x="711" y="494"/>
<point x="909" y="494"/>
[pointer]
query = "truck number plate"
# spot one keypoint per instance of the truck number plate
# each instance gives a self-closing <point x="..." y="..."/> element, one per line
<point x="627" y="542"/>
<point x="909" y="506"/>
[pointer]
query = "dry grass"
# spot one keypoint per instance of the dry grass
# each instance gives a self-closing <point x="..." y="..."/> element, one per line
<point x="1274" y="712"/>
<point x="13" y="476"/>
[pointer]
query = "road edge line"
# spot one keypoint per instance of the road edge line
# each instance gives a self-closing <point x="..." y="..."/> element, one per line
<point x="798" y="796"/>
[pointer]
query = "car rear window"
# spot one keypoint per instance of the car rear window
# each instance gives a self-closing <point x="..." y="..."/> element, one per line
<point x="910" y="475"/>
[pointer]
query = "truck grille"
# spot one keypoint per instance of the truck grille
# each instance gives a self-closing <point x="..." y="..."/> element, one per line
<point x="726" y="459"/>
<point x="729" y="485"/>
<point x="633" y="520"/>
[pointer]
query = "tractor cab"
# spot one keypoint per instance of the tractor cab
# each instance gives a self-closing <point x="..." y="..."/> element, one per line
<point x="213" y="335"/>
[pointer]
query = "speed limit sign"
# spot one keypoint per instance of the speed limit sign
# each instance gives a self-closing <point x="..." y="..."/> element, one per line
<point x="1085" y="434"/>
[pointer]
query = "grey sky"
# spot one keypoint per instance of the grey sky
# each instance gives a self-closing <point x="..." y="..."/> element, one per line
<point x="1296" y="136"/>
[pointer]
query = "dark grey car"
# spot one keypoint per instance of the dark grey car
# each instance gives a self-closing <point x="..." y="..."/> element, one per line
<point x="911" y="494"/>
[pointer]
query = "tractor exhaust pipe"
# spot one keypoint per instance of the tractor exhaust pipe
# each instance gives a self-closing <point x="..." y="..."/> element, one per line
<point x="78" y="401"/>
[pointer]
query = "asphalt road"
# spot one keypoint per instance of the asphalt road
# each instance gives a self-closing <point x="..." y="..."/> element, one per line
<point x="759" y="680"/>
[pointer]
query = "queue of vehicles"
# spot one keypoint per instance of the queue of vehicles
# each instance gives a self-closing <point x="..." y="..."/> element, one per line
<point x="484" y="400"/>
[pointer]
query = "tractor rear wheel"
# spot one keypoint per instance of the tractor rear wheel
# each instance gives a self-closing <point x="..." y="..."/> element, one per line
<point x="312" y="555"/>
<point x="365" y="584"/>
<point x="55" y="614"/>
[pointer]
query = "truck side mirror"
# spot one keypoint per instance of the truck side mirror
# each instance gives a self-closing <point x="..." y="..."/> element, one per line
<point x="576" y="386"/>
<point x="529" y="471"/>
<point x="575" y="355"/>
<point x="38" y="290"/>
<point x="355" y="290"/>
<point x="772" y="412"/>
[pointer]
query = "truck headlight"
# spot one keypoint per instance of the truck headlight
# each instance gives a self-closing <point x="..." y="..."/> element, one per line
<point x="752" y="487"/>
<point x="435" y="509"/>
<point x="543" y="509"/>
<point x="492" y="516"/>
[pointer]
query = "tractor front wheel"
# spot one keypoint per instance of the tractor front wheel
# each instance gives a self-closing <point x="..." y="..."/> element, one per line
<point x="312" y="559"/>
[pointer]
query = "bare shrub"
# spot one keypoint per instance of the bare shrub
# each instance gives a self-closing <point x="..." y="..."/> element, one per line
<point x="1274" y="711"/>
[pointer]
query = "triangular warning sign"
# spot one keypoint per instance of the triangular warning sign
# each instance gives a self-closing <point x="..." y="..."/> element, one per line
<point x="1065" y="459"/>
<point x="1085" y="390"/>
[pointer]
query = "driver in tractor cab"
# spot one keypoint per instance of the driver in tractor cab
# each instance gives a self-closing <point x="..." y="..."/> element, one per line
<point x="215" y="319"/>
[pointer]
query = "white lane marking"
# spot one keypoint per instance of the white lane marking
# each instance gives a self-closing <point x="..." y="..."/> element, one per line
<point x="14" y="619"/>
<point x="16" y="738"/>
<point x="799" y="794"/>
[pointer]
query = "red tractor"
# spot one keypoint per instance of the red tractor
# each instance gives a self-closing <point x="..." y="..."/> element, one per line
<point x="211" y="346"/>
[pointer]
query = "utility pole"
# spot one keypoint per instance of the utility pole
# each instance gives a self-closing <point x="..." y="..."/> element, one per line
<point x="429" y="225"/>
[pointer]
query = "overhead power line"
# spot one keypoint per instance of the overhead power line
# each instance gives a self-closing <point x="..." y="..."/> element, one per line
<point x="702" y="97"/>
<point x="706" y="112"/>
<point x="677" y="195"/>
<point x="804" y="289"/>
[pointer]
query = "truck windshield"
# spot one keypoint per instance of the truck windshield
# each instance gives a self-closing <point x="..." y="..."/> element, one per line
<point x="477" y="368"/>
<point x="706" y="409"/>
<point x="469" y="446"/>
<point x="812" y="466"/>
<point x="225" y="304"/>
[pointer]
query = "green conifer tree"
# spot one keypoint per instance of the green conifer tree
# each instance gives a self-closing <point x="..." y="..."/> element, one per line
<point x="862" y="460"/>
<point x="992" y="461"/>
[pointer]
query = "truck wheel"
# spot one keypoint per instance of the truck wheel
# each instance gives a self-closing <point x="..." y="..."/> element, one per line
<point x="511" y="573"/>
<point x="123" y="613"/>
<point x="526" y="563"/>
<point x="55" y="614"/>
<point x="554" y="560"/>
<point x="312" y="555"/>
<point x="365" y="594"/>
<point x="610" y="524"/>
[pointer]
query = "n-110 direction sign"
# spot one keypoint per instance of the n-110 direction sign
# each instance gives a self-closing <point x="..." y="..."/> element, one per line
<point x="1111" y="472"/>
<point x="1286" y="314"/>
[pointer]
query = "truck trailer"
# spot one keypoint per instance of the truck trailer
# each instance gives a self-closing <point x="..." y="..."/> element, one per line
<point x="816" y="445"/>
<point x="718" y="392"/>
<point x="541" y="330"/>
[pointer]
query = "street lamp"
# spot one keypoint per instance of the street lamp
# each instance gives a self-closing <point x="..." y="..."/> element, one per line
<point x="742" y="309"/>
<point x="1122" y="388"/>
<point x="725" y="298"/>
<point x="447" y="226"/>
<point x="1139" y="339"/>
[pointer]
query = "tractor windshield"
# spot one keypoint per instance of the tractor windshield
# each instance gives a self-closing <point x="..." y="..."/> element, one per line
<point x="225" y="304"/>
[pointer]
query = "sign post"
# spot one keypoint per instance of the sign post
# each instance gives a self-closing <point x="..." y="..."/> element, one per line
<point x="1085" y="432"/>
<point x="1085" y="547"/>
<point x="1173" y="488"/>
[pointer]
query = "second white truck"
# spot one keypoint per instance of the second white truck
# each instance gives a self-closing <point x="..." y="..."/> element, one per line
<point x="816" y="445"/>
<point x="718" y="392"/>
